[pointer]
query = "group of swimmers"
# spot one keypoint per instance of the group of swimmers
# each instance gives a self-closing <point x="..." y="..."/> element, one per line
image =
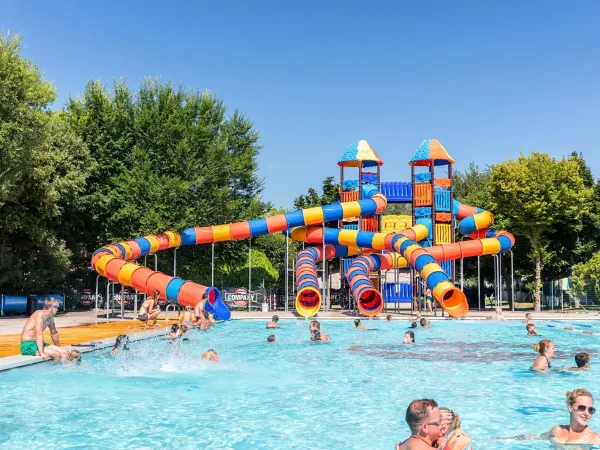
<point x="433" y="427"/>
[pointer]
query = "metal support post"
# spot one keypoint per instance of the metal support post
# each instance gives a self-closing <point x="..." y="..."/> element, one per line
<point x="479" y="283"/>
<point x="287" y="273"/>
<point x="512" y="280"/>
<point x="175" y="261"/>
<point x="212" y="266"/>
<point x="249" y="272"/>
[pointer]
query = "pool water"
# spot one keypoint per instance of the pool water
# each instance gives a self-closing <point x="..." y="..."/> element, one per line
<point x="351" y="393"/>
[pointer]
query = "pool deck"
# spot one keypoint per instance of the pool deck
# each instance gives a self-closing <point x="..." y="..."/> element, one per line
<point x="89" y="332"/>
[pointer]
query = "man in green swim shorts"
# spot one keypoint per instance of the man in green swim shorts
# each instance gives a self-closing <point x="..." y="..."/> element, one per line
<point x="32" y="337"/>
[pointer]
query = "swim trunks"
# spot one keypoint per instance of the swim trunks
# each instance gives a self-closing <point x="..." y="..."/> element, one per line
<point x="186" y="322"/>
<point x="29" y="348"/>
<point x="143" y="317"/>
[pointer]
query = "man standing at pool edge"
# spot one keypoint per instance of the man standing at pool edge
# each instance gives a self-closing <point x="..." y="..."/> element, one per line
<point x="32" y="337"/>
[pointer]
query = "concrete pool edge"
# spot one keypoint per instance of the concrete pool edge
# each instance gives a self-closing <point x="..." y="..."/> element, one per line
<point x="16" y="361"/>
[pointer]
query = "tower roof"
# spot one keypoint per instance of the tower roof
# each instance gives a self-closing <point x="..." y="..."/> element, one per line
<point x="360" y="154"/>
<point x="431" y="151"/>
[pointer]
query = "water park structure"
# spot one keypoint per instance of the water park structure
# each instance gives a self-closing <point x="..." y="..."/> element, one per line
<point x="367" y="242"/>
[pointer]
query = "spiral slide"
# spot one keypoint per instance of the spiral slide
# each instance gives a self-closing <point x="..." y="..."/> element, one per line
<point x="114" y="261"/>
<point x="475" y="224"/>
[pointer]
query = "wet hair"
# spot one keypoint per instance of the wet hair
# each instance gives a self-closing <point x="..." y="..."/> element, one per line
<point x="183" y="328"/>
<point x="411" y="334"/>
<point x="211" y="350"/>
<point x="581" y="359"/>
<point x="388" y="317"/>
<point x="572" y="395"/>
<point x="413" y="324"/>
<point x="541" y="346"/>
<point x="356" y="322"/>
<point x="271" y="338"/>
<point x="205" y="296"/>
<point x="50" y="302"/>
<point x="527" y="315"/>
<point x="423" y="321"/>
<point x="530" y="326"/>
<point x="316" y="324"/>
<point x="75" y="355"/>
<point x="205" y="314"/>
<point x="121" y="338"/>
<point x="417" y="412"/>
<point x="315" y="336"/>
<point x="275" y="318"/>
<point x="174" y="328"/>
<point x="451" y="419"/>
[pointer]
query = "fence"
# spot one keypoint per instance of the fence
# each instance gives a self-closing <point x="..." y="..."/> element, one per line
<point x="566" y="294"/>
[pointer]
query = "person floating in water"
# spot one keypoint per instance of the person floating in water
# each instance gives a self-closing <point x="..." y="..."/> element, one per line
<point x="546" y="350"/>
<point x="272" y="338"/>
<point x="210" y="355"/>
<point x="424" y="322"/>
<point x="358" y="326"/>
<point x="32" y="336"/>
<point x="582" y="362"/>
<point x="409" y="338"/>
<point x="531" y="330"/>
<point x="580" y="405"/>
<point x="150" y="309"/>
<point x="273" y="323"/>
<point x="388" y="317"/>
<point x="315" y="332"/>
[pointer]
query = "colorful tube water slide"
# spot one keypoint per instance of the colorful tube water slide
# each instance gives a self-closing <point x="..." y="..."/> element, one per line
<point x="115" y="261"/>
<point x="475" y="224"/>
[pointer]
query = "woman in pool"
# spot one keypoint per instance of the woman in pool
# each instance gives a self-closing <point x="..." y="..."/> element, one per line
<point x="580" y="404"/>
<point x="546" y="350"/>
<point x="452" y="437"/>
<point x="409" y="337"/>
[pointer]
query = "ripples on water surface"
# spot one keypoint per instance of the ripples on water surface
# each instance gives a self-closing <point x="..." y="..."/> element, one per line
<point x="351" y="393"/>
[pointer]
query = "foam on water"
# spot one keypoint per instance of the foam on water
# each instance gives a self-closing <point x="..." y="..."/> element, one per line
<point x="351" y="393"/>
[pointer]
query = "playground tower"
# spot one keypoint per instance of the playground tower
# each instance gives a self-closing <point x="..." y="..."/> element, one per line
<point x="359" y="186"/>
<point x="433" y="195"/>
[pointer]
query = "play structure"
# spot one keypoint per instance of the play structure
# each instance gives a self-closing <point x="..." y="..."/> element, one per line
<point x="367" y="242"/>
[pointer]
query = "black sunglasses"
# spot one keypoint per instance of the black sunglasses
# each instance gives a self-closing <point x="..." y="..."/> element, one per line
<point x="582" y="408"/>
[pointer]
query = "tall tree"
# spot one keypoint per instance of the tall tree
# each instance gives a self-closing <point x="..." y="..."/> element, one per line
<point x="43" y="169"/>
<point x="538" y="194"/>
<point x="331" y="194"/>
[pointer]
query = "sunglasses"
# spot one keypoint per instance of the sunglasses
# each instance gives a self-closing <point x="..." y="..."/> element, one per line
<point x="582" y="408"/>
<point x="437" y="422"/>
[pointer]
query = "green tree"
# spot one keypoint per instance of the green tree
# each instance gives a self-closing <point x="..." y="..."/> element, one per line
<point x="43" y="170"/>
<point x="331" y="194"/>
<point x="537" y="195"/>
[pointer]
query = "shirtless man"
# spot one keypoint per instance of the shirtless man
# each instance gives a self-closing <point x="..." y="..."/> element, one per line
<point x="150" y="309"/>
<point x="203" y="322"/>
<point x="359" y="326"/>
<point x="315" y="331"/>
<point x="273" y="323"/>
<point x="199" y="308"/>
<point x="32" y="337"/>
<point x="425" y="420"/>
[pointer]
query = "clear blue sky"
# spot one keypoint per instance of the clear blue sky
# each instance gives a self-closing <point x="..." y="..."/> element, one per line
<point x="488" y="79"/>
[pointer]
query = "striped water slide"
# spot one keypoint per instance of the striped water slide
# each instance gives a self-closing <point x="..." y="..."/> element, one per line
<point x="475" y="224"/>
<point x="115" y="261"/>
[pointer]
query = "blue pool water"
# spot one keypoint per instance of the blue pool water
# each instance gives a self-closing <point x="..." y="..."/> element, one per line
<point x="293" y="394"/>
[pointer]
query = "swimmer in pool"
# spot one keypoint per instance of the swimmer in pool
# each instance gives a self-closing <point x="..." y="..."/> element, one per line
<point x="272" y="338"/>
<point x="531" y="330"/>
<point x="546" y="349"/>
<point x="75" y="356"/>
<point x="582" y="361"/>
<point x="413" y="325"/>
<point x="358" y="326"/>
<point x="452" y="437"/>
<point x="388" y="317"/>
<point x="121" y="343"/>
<point x="315" y="332"/>
<point x="409" y="337"/>
<point x="273" y="323"/>
<point x="424" y="322"/>
<point x="210" y="355"/>
<point x="580" y="404"/>
<point x="174" y="334"/>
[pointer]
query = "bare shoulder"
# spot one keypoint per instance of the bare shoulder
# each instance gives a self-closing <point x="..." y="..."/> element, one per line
<point x="557" y="429"/>
<point x="595" y="438"/>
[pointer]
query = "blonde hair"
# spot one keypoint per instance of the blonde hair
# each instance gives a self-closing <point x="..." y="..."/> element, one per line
<point x="572" y="395"/>
<point x="74" y="355"/>
<point x="541" y="346"/>
<point x="451" y="419"/>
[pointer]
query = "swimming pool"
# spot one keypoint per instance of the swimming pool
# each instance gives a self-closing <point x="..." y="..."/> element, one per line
<point x="293" y="394"/>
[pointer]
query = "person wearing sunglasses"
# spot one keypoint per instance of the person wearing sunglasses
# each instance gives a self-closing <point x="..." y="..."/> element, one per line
<point x="580" y="404"/>
<point x="32" y="336"/>
<point x="425" y="421"/>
